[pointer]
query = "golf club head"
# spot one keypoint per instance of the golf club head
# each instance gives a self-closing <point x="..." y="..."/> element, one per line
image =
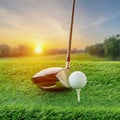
<point x="52" y="79"/>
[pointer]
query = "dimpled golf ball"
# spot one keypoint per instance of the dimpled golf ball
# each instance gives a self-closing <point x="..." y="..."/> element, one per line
<point x="77" y="80"/>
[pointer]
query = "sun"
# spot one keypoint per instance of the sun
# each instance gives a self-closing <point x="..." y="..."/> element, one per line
<point x="38" y="50"/>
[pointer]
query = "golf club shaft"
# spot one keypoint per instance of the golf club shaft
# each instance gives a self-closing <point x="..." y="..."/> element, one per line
<point x="70" y="37"/>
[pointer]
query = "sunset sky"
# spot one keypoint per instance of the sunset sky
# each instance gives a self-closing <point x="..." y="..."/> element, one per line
<point x="46" y="23"/>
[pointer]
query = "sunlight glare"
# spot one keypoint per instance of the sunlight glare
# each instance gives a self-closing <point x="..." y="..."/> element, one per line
<point x="38" y="50"/>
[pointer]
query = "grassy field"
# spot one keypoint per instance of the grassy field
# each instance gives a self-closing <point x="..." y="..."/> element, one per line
<point x="20" y="99"/>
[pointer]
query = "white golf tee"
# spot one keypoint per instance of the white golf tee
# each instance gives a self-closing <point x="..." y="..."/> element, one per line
<point x="78" y="94"/>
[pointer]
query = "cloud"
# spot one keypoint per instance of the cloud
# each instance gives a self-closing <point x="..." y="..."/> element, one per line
<point x="31" y="24"/>
<point x="101" y="21"/>
<point x="9" y="20"/>
<point x="56" y="26"/>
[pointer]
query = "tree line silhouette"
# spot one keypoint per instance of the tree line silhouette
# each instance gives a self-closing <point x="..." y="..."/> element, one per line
<point x="24" y="50"/>
<point x="110" y="48"/>
<point x="21" y="50"/>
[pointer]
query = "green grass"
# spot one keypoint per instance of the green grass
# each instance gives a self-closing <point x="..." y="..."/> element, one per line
<point x="79" y="57"/>
<point x="21" y="99"/>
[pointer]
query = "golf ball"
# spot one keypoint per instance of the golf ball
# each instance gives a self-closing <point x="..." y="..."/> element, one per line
<point x="77" y="80"/>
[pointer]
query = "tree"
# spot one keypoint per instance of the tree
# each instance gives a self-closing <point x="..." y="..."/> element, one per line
<point x="21" y="50"/>
<point x="4" y="50"/>
<point x="112" y="47"/>
<point x="97" y="49"/>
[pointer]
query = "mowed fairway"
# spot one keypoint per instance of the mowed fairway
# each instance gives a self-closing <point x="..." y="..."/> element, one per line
<point x="21" y="99"/>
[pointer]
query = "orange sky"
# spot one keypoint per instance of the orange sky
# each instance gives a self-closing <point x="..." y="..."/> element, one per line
<point x="47" y="32"/>
<point x="46" y="22"/>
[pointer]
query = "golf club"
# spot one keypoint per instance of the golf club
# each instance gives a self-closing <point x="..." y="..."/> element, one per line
<point x="55" y="78"/>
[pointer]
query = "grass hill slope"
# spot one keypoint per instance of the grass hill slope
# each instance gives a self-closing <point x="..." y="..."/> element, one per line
<point x="21" y="99"/>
